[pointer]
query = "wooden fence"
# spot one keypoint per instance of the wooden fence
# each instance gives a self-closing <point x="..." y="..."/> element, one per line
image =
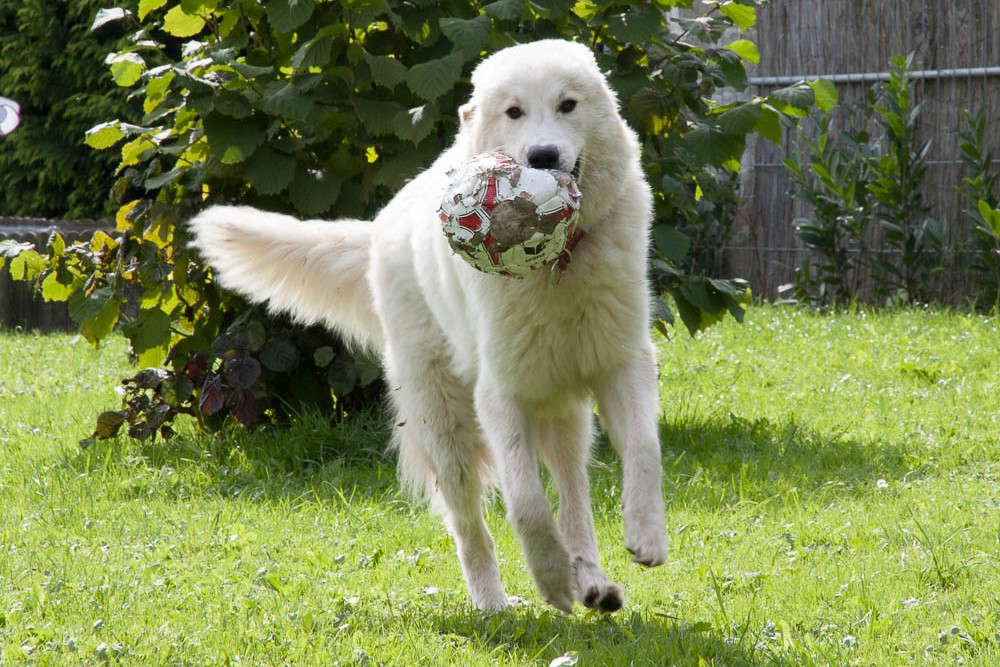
<point x="20" y="306"/>
<point x="957" y="55"/>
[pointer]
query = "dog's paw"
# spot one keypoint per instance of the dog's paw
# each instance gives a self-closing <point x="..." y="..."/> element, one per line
<point x="561" y="600"/>
<point x="606" y="598"/>
<point x="595" y="590"/>
<point x="493" y="603"/>
<point x="555" y="585"/>
<point x="649" y="548"/>
<point x="559" y="594"/>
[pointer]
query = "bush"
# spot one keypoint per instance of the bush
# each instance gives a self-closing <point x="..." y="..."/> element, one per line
<point x="979" y="188"/>
<point x="871" y="233"/>
<point x="53" y="65"/>
<point x="326" y="108"/>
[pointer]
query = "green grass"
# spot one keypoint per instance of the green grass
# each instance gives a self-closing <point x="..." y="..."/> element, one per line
<point x="833" y="488"/>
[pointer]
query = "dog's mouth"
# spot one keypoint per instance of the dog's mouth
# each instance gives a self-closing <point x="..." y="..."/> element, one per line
<point x="575" y="173"/>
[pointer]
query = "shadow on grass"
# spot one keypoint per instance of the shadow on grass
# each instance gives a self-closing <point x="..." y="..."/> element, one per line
<point x="525" y="637"/>
<point x="717" y="462"/>
<point x="311" y="456"/>
<point x="707" y="463"/>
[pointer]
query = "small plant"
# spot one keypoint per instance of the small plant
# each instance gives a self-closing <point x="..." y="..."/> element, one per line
<point x="871" y="232"/>
<point x="915" y="247"/>
<point x="834" y="182"/>
<point x="979" y="188"/>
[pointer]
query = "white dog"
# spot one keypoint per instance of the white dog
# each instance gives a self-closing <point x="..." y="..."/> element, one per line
<point x="490" y="373"/>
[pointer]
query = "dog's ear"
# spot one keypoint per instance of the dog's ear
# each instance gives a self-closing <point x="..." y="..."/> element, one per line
<point x="467" y="112"/>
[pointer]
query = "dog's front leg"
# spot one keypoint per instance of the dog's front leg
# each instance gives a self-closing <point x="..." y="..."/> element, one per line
<point x="628" y="401"/>
<point x="511" y="437"/>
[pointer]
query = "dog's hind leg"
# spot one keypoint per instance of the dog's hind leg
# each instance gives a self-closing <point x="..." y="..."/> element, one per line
<point x="564" y="445"/>
<point x="441" y="452"/>
<point x="628" y="402"/>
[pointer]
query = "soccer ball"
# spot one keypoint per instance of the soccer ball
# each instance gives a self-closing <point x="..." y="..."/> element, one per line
<point x="506" y="219"/>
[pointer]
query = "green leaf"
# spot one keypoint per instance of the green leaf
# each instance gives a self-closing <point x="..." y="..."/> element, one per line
<point x="251" y="71"/>
<point x="745" y="49"/>
<point x="635" y="27"/>
<point x="467" y="34"/>
<point x="799" y="96"/>
<point x="378" y="116"/>
<point x="56" y="244"/>
<point x="147" y="6"/>
<point x="733" y="71"/>
<point x="126" y="68"/>
<point x="742" y="15"/>
<point x="104" y="135"/>
<point x="100" y="326"/>
<point x="27" y="265"/>
<point x="671" y="243"/>
<point x="990" y="215"/>
<point x="505" y="10"/>
<point x="387" y="72"/>
<point x="230" y="140"/>
<point x="432" y="79"/>
<point x="179" y="23"/>
<point x="53" y="289"/>
<point x="415" y="124"/>
<point x="269" y="171"/>
<point x="315" y="53"/>
<point x="133" y="150"/>
<point x="287" y="15"/>
<point x="233" y="104"/>
<point x="739" y="120"/>
<point x="554" y="8"/>
<point x="342" y="376"/>
<point x="769" y="125"/>
<point x="825" y="94"/>
<point x="323" y="356"/>
<point x="712" y="144"/>
<point x="286" y="99"/>
<point x="313" y="193"/>
<point x="368" y="370"/>
<point x="690" y="314"/>
<point x="662" y="315"/>
<point x="148" y="331"/>
<point x="85" y="307"/>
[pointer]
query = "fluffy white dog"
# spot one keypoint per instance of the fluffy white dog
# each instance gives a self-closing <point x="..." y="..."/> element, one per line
<point x="489" y="374"/>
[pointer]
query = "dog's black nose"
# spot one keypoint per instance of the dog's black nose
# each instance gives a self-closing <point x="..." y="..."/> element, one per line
<point x="543" y="157"/>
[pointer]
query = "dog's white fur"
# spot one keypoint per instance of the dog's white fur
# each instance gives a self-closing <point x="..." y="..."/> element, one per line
<point x="489" y="373"/>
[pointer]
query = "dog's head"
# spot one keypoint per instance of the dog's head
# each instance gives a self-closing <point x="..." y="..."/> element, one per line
<point x="547" y="105"/>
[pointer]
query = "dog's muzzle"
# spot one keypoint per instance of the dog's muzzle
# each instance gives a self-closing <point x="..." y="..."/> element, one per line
<point x="547" y="156"/>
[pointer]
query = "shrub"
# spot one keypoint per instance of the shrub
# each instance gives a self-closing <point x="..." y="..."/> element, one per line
<point x="979" y="188"/>
<point x="326" y="108"/>
<point x="871" y="232"/>
<point x="54" y="67"/>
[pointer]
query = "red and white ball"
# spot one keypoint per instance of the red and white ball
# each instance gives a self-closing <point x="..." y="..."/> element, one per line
<point x="507" y="219"/>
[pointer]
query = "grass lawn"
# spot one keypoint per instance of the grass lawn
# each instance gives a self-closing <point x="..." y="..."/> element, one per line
<point x="833" y="498"/>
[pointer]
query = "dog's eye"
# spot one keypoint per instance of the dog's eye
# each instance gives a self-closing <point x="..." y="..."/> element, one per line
<point x="566" y="106"/>
<point x="514" y="113"/>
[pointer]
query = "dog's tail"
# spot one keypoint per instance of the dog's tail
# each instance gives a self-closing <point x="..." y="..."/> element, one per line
<point x="314" y="270"/>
